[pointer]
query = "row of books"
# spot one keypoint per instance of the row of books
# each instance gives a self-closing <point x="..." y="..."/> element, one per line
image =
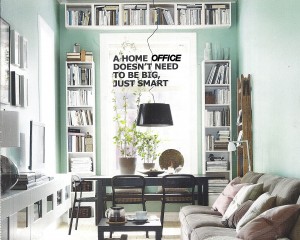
<point x="79" y="97"/>
<point x="217" y="185"/>
<point x="78" y="17"/>
<point x="28" y="180"/>
<point x="217" y="118"/>
<point x="82" y="56"/>
<point x="218" y="142"/>
<point x="82" y="117"/>
<point x="77" y="142"/>
<point x="217" y="14"/>
<point x="161" y="16"/>
<point x="79" y="75"/>
<point x="134" y="15"/>
<point x="107" y="15"/>
<point x="219" y="96"/>
<point x="219" y="74"/>
<point x="189" y="14"/>
<point x="81" y="164"/>
<point x="217" y="165"/>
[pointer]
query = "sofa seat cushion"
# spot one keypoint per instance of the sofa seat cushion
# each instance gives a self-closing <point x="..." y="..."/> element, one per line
<point x="193" y="221"/>
<point x="210" y="232"/>
<point x="196" y="209"/>
<point x="287" y="191"/>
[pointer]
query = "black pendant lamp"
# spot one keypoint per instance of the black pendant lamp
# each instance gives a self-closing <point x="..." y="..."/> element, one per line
<point x="154" y="115"/>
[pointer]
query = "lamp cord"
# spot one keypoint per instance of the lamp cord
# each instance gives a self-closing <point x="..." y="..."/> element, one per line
<point x="152" y="52"/>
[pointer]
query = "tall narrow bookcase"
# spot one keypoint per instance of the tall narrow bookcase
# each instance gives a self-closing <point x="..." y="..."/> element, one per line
<point x="216" y="122"/>
<point x="80" y="122"/>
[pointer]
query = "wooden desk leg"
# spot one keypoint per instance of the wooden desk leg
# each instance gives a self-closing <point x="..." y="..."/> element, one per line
<point x="100" y="234"/>
<point x="97" y="207"/>
<point x="205" y="192"/>
<point x="200" y="194"/>
<point x="158" y="234"/>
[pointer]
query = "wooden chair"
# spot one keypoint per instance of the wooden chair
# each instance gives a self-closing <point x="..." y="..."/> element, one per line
<point x="128" y="189"/>
<point x="177" y="188"/>
<point x="77" y="185"/>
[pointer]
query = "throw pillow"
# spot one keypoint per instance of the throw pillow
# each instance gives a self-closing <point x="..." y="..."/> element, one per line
<point x="238" y="214"/>
<point x="271" y="224"/>
<point x="249" y="192"/>
<point x="225" y="198"/>
<point x="261" y="204"/>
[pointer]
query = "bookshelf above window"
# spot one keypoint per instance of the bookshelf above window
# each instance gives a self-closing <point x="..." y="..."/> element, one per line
<point x="143" y="15"/>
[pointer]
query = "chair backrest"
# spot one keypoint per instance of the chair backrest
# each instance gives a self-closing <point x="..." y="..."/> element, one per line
<point x="178" y="185"/>
<point x="128" y="189"/>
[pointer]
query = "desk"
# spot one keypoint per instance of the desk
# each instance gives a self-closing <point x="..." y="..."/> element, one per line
<point x="104" y="181"/>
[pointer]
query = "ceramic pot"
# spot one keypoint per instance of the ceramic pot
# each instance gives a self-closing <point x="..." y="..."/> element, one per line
<point x="127" y="165"/>
<point x="9" y="174"/>
<point x="149" y="166"/>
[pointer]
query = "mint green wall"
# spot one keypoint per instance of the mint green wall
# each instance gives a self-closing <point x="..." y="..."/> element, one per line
<point x="22" y="15"/>
<point x="89" y="40"/>
<point x="269" y="37"/>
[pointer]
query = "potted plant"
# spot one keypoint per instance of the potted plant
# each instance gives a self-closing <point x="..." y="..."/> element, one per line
<point x="147" y="148"/>
<point x="126" y="138"/>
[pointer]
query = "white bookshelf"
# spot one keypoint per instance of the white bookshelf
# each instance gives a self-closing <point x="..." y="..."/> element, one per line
<point x="216" y="118"/>
<point x="80" y="117"/>
<point x="142" y="15"/>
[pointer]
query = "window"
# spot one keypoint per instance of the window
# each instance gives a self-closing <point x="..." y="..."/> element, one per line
<point x="180" y="91"/>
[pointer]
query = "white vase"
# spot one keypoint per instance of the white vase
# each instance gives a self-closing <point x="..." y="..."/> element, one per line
<point x="149" y="166"/>
<point x="208" y="51"/>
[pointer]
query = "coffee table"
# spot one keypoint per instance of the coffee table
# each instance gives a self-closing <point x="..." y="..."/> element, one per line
<point x="130" y="226"/>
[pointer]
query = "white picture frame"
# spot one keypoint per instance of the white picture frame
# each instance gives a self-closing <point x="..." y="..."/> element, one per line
<point x="23" y="91"/>
<point x="23" y="52"/>
<point x="15" y="48"/>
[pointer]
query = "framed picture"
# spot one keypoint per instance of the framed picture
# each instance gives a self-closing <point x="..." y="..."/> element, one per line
<point x="23" y="91"/>
<point x="23" y="52"/>
<point x="15" y="89"/>
<point x="5" y="62"/>
<point x="15" y="48"/>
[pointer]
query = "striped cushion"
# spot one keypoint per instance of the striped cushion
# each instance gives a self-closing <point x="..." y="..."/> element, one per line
<point x="261" y="204"/>
<point x="249" y="192"/>
<point x="251" y="177"/>
<point x="272" y="224"/>
<point x="238" y="214"/>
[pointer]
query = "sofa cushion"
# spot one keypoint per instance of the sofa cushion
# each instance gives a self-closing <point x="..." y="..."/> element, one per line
<point x="251" y="177"/>
<point x="196" y="209"/>
<point x="248" y="192"/>
<point x="269" y="182"/>
<point x="287" y="191"/>
<point x="208" y="232"/>
<point x="193" y="221"/>
<point x="272" y="224"/>
<point x="261" y="204"/>
<point x="238" y="214"/>
<point x="224" y="199"/>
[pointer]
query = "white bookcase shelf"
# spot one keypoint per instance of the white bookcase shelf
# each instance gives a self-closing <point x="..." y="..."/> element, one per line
<point x="137" y="15"/>
<point x="80" y="117"/>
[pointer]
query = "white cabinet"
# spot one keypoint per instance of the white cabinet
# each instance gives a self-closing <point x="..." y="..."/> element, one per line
<point x="137" y="15"/>
<point x="80" y="117"/>
<point x="216" y="117"/>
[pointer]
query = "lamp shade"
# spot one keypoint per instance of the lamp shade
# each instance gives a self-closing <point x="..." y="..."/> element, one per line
<point x="231" y="147"/>
<point x="9" y="129"/>
<point x="154" y="115"/>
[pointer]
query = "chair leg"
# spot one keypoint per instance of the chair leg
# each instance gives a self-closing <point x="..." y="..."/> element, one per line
<point x="77" y="216"/>
<point x="162" y="213"/>
<point x="71" y="221"/>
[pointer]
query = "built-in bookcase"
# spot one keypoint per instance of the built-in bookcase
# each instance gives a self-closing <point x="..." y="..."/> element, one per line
<point x="140" y="15"/>
<point x="80" y="117"/>
<point x="216" y="122"/>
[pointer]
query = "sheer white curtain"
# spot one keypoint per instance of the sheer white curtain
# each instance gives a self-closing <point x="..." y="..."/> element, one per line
<point x="180" y="93"/>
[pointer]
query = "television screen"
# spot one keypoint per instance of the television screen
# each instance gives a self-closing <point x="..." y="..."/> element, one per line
<point x="37" y="146"/>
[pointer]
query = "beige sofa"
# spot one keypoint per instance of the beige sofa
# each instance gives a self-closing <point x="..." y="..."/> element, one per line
<point x="201" y="222"/>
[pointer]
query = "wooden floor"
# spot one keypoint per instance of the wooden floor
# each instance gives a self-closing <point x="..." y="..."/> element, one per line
<point x="88" y="231"/>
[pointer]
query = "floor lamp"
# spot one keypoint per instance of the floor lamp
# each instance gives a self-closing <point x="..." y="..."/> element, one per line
<point x="232" y="145"/>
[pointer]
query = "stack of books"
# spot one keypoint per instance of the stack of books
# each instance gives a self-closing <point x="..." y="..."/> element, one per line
<point x="217" y="185"/>
<point x="217" y="165"/>
<point x="81" y="164"/>
<point x="30" y="179"/>
<point x="83" y="56"/>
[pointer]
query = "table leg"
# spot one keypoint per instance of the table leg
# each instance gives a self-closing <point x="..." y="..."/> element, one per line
<point x="200" y="193"/>
<point x="205" y="192"/>
<point x="100" y="234"/>
<point x="158" y="234"/>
